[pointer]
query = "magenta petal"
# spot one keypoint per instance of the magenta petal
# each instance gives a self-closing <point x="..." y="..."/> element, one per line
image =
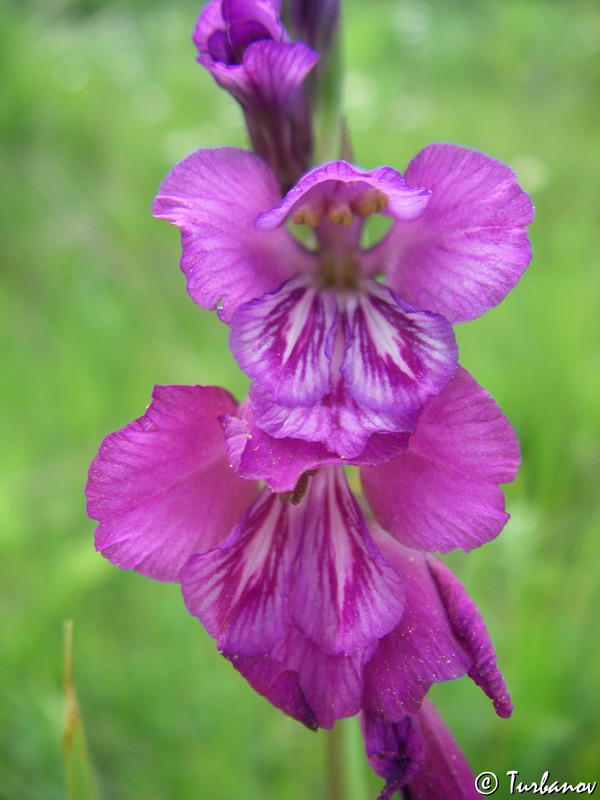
<point x="445" y="773"/>
<point x="470" y="247"/>
<point x="278" y="683"/>
<point x="162" y="487"/>
<point x="343" y="595"/>
<point x="277" y="70"/>
<point x="238" y="589"/>
<point x="422" y="649"/>
<point x="394" y="749"/>
<point x="214" y="196"/>
<point x="280" y="463"/>
<point x="382" y="447"/>
<point x="469" y="628"/>
<point x="442" y="491"/>
<point x="345" y="181"/>
<point x="237" y="24"/>
<point x="420" y="754"/>
<point x="284" y="341"/>
<point x="341" y="423"/>
<point x="332" y="685"/>
<point x="396" y="356"/>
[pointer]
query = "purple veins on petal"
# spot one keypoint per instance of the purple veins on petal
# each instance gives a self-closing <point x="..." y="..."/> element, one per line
<point x="396" y="357"/>
<point x="343" y="596"/>
<point x="239" y="589"/>
<point x="161" y="488"/>
<point x="284" y="340"/>
<point x="343" y="425"/>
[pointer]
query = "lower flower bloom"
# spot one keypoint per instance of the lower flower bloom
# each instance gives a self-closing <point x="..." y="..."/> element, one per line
<point x="323" y="613"/>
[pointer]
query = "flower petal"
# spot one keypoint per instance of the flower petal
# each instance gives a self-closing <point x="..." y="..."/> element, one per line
<point x="162" y="487"/>
<point x="394" y="749"/>
<point x="470" y="247"/>
<point x="341" y="180"/>
<point x="340" y="422"/>
<point x="238" y="590"/>
<point x="225" y="29"/>
<point x="442" y="491"/>
<point x="343" y="596"/>
<point x="284" y="341"/>
<point x="445" y="773"/>
<point x="420" y="754"/>
<point x="278" y="683"/>
<point x="213" y="196"/>
<point x="280" y="463"/>
<point x="331" y="684"/>
<point x="396" y="356"/>
<point x="469" y="628"/>
<point x="255" y="455"/>
<point x="421" y="650"/>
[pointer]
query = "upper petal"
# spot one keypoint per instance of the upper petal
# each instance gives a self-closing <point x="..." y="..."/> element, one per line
<point x="239" y="589"/>
<point x="284" y="341"/>
<point x="341" y="181"/>
<point x="470" y="247"/>
<point x="470" y="630"/>
<point x="396" y="357"/>
<point x="162" y="487"/>
<point x="214" y="196"/>
<point x="343" y="595"/>
<point x="442" y="492"/>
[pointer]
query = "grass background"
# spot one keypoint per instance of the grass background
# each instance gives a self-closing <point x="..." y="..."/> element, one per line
<point x="99" y="100"/>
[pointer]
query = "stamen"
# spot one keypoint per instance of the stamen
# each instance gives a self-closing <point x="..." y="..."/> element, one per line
<point x="371" y="201"/>
<point x="307" y="215"/>
<point x="340" y="214"/>
<point x="294" y="497"/>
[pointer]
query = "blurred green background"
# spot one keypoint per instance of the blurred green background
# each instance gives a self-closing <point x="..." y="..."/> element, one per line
<point x="99" y="100"/>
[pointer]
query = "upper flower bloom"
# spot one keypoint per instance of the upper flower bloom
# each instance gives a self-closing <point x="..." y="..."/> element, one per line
<point x="248" y="52"/>
<point x="335" y="355"/>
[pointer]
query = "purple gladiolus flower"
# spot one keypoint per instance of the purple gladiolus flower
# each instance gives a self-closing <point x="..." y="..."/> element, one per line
<point x="323" y="613"/>
<point x="418" y="756"/>
<point x="248" y="52"/>
<point x="335" y="355"/>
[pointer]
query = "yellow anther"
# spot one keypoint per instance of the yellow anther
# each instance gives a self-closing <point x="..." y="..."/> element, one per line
<point x="340" y="214"/>
<point x="305" y="215"/>
<point x="371" y="201"/>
